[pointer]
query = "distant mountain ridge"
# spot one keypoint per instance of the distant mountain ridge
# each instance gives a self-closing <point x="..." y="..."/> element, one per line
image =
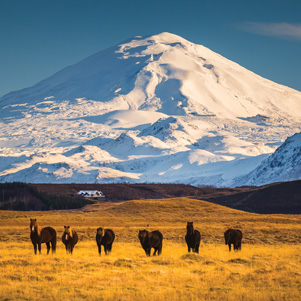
<point x="283" y="165"/>
<point x="151" y="109"/>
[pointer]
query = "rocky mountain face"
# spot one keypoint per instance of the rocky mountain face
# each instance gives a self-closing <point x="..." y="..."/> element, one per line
<point x="282" y="166"/>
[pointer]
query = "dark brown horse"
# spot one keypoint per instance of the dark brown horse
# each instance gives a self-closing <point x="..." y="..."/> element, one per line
<point x="40" y="235"/>
<point x="192" y="238"/>
<point x="104" y="237"/>
<point x="233" y="237"/>
<point x="150" y="240"/>
<point x="69" y="239"/>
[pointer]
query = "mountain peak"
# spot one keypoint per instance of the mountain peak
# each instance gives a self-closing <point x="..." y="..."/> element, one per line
<point x="166" y="37"/>
<point x="156" y="108"/>
<point x="168" y="74"/>
<point x="162" y="37"/>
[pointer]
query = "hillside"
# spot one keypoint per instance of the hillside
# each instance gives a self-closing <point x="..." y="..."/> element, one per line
<point x="169" y="215"/>
<point x="274" y="198"/>
<point x="267" y="267"/>
<point x="156" y="109"/>
<point x="125" y="192"/>
<point x="20" y="196"/>
<point x="282" y="198"/>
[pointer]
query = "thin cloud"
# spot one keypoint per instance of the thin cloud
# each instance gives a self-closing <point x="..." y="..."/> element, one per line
<point x="282" y="30"/>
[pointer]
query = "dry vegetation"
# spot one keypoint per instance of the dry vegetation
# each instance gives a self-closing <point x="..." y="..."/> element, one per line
<point x="267" y="268"/>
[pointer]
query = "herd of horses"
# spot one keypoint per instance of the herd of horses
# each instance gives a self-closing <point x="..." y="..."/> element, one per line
<point x="106" y="237"/>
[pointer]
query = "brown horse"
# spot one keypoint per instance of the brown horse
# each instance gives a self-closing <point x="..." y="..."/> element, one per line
<point x="150" y="240"/>
<point x="69" y="239"/>
<point x="233" y="237"/>
<point x="192" y="238"/>
<point x="41" y="235"/>
<point x="105" y="238"/>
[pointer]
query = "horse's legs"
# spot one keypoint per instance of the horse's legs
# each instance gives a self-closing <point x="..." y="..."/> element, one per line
<point x="188" y="249"/>
<point x="39" y="247"/>
<point x="48" y="247"/>
<point x="53" y="245"/>
<point x="197" y="248"/>
<point x="238" y="246"/>
<point x="110" y="247"/>
<point x="229" y="247"/>
<point x="155" y="251"/>
<point x="106" y="249"/>
<point x="35" y="248"/>
<point x="235" y="247"/>
<point x="160" y="249"/>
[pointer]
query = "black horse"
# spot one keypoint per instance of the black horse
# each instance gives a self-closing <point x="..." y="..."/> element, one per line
<point x="69" y="238"/>
<point x="150" y="240"/>
<point x="192" y="238"/>
<point x="39" y="235"/>
<point x="105" y="237"/>
<point x="233" y="237"/>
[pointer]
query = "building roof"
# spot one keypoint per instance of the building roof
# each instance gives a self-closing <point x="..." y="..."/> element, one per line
<point x="90" y="192"/>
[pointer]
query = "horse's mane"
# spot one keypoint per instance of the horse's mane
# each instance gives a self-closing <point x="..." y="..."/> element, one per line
<point x="70" y="231"/>
<point x="103" y="231"/>
<point x="38" y="227"/>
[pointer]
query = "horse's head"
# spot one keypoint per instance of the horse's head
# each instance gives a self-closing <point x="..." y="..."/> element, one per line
<point x="33" y="225"/>
<point x="67" y="232"/>
<point x="190" y="228"/>
<point x="143" y="234"/>
<point x="100" y="233"/>
<point x="227" y="236"/>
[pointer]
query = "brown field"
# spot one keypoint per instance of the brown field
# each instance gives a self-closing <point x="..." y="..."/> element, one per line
<point x="267" y="268"/>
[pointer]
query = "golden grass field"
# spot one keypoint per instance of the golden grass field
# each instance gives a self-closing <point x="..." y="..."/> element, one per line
<point x="267" y="268"/>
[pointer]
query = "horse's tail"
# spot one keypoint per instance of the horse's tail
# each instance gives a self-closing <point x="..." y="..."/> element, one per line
<point x="53" y="242"/>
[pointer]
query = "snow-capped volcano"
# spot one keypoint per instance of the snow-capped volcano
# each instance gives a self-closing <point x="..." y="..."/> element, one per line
<point x="151" y="109"/>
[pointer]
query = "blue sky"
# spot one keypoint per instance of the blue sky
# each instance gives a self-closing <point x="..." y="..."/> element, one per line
<point x="40" y="37"/>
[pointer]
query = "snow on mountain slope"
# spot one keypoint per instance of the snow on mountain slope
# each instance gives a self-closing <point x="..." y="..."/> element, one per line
<point x="283" y="165"/>
<point x="156" y="109"/>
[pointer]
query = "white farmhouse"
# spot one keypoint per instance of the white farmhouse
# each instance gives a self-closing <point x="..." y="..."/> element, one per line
<point x="91" y="194"/>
